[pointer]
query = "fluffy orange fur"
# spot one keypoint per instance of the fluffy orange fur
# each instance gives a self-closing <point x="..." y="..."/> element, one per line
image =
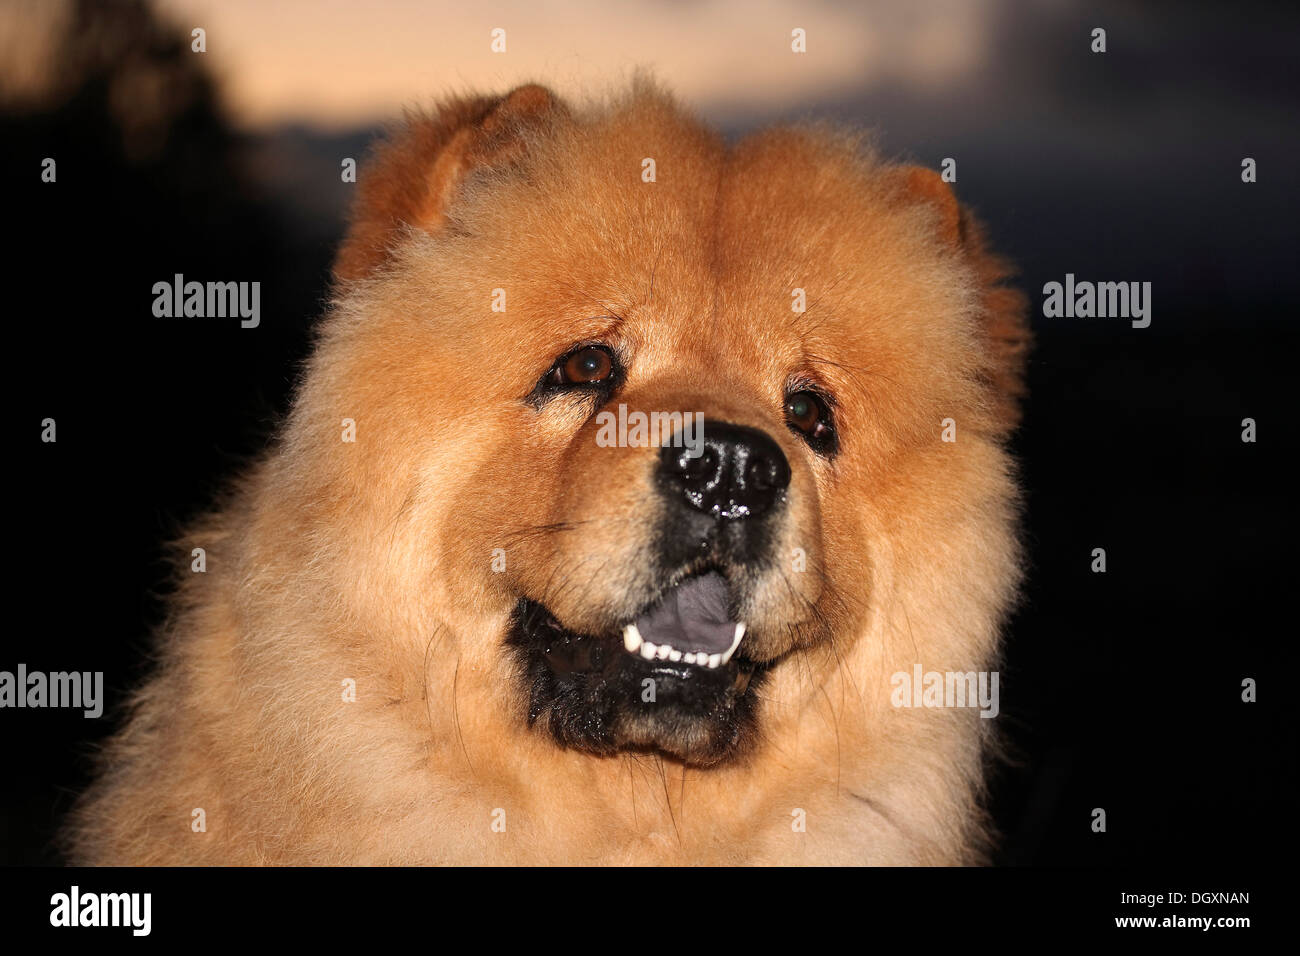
<point x="371" y="560"/>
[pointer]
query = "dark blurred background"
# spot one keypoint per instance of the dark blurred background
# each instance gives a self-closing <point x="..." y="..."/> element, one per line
<point x="1120" y="690"/>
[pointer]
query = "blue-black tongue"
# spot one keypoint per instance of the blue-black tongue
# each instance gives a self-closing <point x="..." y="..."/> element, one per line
<point x="692" y="617"/>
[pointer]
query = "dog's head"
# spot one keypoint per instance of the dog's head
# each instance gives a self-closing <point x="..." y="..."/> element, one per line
<point x="634" y="410"/>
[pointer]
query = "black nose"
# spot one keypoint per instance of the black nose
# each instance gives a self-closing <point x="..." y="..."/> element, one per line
<point x="740" y="472"/>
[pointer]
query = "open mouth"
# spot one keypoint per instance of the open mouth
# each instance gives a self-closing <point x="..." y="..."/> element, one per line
<point x="687" y="648"/>
<point x="690" y="624"/>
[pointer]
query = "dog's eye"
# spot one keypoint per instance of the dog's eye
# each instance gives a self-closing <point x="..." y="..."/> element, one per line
<point x="807" y="413"/>
<point x="588" y="366"/>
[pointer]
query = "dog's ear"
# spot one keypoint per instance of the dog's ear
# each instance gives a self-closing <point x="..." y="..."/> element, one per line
<point x="927" y="186"/>
<point x="1005" y="307"/>
<point x="413" y="176"/>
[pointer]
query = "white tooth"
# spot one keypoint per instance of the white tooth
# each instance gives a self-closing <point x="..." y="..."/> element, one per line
<point x="648" y="650"/>
<point x="631" y="638"/>
<point x="689" y="658"/>
<point x="675" y="656"/>
<point x="715" y="660"/>
<point x="740" y="634"/>
<point x="664" y="651"/>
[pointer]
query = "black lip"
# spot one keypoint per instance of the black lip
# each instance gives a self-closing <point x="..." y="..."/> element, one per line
<point x="588" y="690"/>
<point x="572" y="652"/>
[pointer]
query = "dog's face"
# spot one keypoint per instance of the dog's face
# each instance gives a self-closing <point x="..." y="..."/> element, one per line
<point x="640" y="405"/>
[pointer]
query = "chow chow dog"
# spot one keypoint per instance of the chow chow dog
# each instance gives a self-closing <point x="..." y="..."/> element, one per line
<point x="455" y="615"/>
